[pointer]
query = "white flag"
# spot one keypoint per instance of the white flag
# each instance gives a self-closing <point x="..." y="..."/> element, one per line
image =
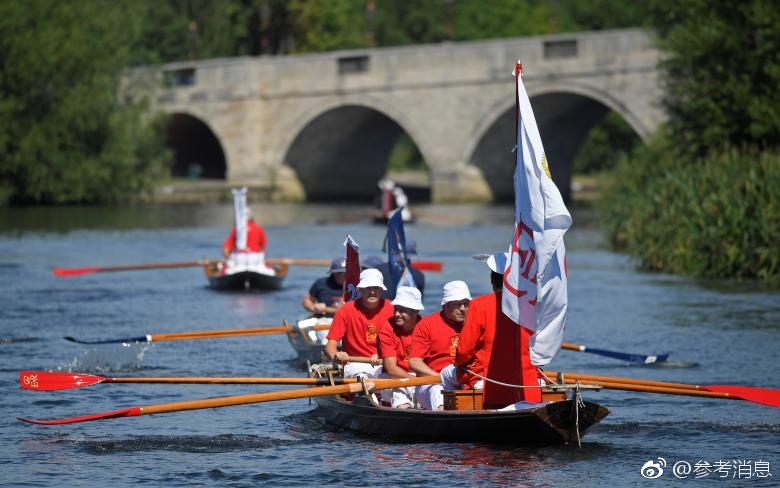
<point x="534" y="293"/>
<point x="240" y="210"/>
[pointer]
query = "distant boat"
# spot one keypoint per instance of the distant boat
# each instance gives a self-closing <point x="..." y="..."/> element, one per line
<point x="244" y="280"/>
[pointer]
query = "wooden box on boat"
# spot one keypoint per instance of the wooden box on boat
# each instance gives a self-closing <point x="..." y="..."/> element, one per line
<point x="462" y="399"/>
<point x="472" y="399"/>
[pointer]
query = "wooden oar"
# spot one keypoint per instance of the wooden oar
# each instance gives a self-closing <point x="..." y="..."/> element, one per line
<point x="60" y="380"/>
<point x="204" y="334"/>
<point x="133" y="267"/>
<point x="623" y="356"/>
<point x="421" y="265"/>
<point x="238" y="400"/>
<point x="764" y="396"/>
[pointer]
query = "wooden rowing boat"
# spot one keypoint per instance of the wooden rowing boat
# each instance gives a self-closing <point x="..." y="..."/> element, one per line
<point x="559" y="422"/>
<point x="308" y="344"/>
<point x="244" y="280"/>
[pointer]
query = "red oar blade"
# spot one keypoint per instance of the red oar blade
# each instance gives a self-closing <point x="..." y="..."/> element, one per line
<point x="764" y="396"/>
<point x="74" y="271"/>
<point x="125" y="412"/>
<point x="49" y="381"/>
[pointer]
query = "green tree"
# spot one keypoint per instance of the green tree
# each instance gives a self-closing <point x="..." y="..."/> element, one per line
<point x="475" y="19"/>
<point x="600" y="14"/>
<point x="722" y="71"/>
<point x="327" y="25"/>
<point x="410" y="22"/>
<point x="608" y="142"/>
<point x="64" y="134"/>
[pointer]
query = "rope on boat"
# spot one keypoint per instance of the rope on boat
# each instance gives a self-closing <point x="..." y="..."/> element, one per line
<point x="508" y="385"/>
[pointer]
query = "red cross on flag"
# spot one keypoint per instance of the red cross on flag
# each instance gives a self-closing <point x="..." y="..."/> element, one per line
<point x="534" y="293"/>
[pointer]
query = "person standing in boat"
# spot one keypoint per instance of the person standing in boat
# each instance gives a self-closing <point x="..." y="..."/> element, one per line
<point x="494" y="347"/>
<point x="395" y="344"/>
<point x="326" y="295"/>
<point x="244" y="247"/>
<point x="392" y="197"/>
<point x="356" y="326"/>
<point x="435" y="340"/>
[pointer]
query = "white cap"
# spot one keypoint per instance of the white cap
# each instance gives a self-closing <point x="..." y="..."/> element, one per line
<point x="454" y="291"/>
<point x="496" y="262"/>
<point x="409" y="297"/>
<point x="371" y="277"/>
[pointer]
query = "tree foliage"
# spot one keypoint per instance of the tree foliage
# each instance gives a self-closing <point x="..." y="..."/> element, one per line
<point x="608" y="142"/>
<point x="64" y="135"/>
<point x="721" y="73"/>
<point x="702" y="198"/>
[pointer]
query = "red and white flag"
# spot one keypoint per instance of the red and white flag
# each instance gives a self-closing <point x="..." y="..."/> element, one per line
<point x="352" y="277"/>
<point x="534" y="293"/>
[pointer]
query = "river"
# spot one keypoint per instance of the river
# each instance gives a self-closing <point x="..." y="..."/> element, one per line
<point x="716" y="333"/>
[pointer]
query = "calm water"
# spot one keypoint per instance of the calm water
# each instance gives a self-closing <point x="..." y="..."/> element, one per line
<point x="731" y="332"/>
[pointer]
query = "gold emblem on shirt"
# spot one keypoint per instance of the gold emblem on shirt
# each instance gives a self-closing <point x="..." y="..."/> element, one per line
<point x="371" y="334"/>
<point x="454" y="345"/>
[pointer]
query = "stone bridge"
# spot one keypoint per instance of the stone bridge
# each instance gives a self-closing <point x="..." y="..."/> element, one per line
<point x="320" y="127"/>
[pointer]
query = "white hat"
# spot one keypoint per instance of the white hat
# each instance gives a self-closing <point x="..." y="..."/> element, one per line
<point x="409" y="297"/>
<point x="496" y="262"/>
<point x="454" y="291"/>
<point x="371" y="277"/>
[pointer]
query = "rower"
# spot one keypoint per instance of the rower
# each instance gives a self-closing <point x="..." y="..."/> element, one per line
<point x="395" y="343"/>
<point x="244" y="247"/>
<point x="326" y="295"/>
<point x="435" y="341"/>
<point x="356" y="326"/>
<point x="493" y="346"/>
<point x="392" y="197"/>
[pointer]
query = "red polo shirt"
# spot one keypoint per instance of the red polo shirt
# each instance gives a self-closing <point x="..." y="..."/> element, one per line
<point x="255" y="238"/>
<point x="394" y="343"/>
<point x="435" y="340"/>
<point x="497" y="348"/>
<point x="358" y="329"/>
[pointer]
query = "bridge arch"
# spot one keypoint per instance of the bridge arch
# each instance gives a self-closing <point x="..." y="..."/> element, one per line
<point x="565" y="115"/>
<point x="367" y="131"/>
<point x="197" y="151"/>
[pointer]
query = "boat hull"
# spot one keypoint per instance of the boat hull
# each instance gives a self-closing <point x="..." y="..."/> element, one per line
<point x="305" y="343"/>
<point x="245" y="280"/>
<point x="554" y="423"/>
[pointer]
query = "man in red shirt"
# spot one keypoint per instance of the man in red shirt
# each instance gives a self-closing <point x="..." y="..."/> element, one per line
<point x="395" y="344"/>
<point x="435" y="340"/>
<point x="249" y="255"/>
<point x="494" y="347"/>
<point x="356" y="325"/>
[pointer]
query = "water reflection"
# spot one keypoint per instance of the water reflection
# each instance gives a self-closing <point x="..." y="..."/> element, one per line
<point x="71" y="218"/>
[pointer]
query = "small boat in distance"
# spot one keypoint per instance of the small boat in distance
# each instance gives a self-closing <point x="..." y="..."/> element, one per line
<point x="244" y="280"/>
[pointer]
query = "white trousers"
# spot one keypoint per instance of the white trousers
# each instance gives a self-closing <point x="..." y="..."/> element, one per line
<point x="431" y="397"/>
<point x="449" y="379"/>
<point x="352" y="370"/>
<point x="397" y="396"/>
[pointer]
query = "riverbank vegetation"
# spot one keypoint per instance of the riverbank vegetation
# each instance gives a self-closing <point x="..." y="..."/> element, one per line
<point x="703" y="198"/>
